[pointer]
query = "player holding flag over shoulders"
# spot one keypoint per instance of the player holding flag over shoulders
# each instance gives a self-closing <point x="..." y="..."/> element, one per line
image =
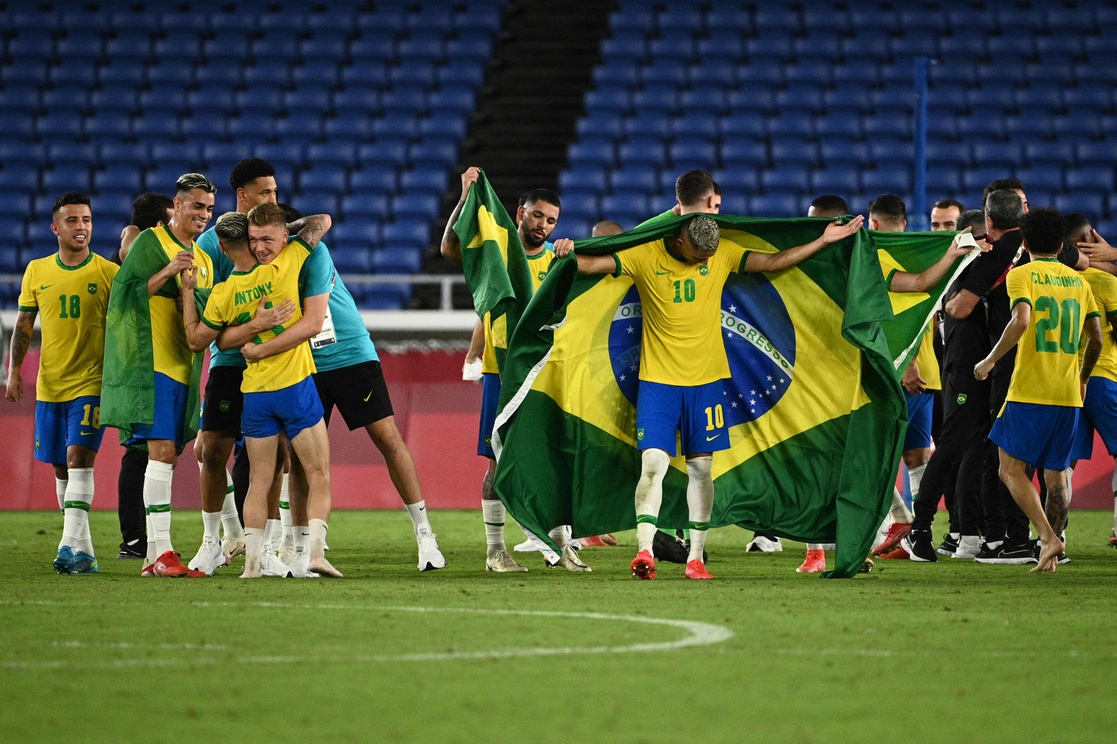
<point x="683" y="361"/>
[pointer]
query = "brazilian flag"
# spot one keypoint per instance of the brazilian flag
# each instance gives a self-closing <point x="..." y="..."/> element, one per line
<point x="913" y="253"/>
<point x="814" y="406"/>
<point x="493" y="261"/>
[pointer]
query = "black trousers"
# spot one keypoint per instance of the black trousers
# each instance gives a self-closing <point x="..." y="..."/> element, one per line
<point x="130" y="497"/>
<point x="957" y="462"/>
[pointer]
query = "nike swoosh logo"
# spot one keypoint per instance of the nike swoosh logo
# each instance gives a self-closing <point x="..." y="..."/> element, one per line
<point x="370" y="392"/>
<point x="422" y="508"/>
<point x="661" y="273"/>
<point x="87" y="433"/>
<point x="710" y="439"/>
<point x="45" y="286"/>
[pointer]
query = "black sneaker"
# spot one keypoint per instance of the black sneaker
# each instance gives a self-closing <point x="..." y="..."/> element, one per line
<point x="919" y="547"/>
<point x="1006" y="555"/>
<point x="948" y="545"/>
<point x="667" y="548"/>
<point x="133" y="549"/>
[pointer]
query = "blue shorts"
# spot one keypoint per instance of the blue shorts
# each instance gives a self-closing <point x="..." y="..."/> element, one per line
<point x="291" y="410"/>
<point x="490" y="399"/>
<point x="76" y="422"/>
<point x="1099" y="412"/>
<point x="170" y="413"/>
<point x="696" y="411"/>
<point x="921" y="407"/>
<point x="1039" y="435"/>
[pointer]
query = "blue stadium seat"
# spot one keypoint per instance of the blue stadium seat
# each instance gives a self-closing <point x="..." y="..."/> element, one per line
<point x="944" y="179"/>
<point x="416" y="233"/>
<point x="1090" y="203"/>
<point x="76" y="153"/>
<point x="891" y="151"/>
<point x="751" y="99"/>
<point x="697" y="124"/>
<point x="415" y="206"/>
<point x="230" y="47"/>
<point x="422" y="179"/>
<point x="693" y="154"/>
<point x="583" y="176"/>
<point x="791" y="124"/>
<point x="134" y="153"/>
<point x="729" y="48"/>
<point x="24" y="177"/>
<point x="405" y="100"/>
<point x="353" y="259"/>
<point x="590" y="151"/>
<point x="642" y="150"/>
<point x="322" y="177"/>
<point x="737" y="152"/>
<point x="453" y="99"/>
<point x="1095" y="153"/>
<point x="624" y="48"/>
<point x="608" y="100"/>
<point x="401" y="260"/>
<point x="624" y="203"/>
<point x="776" y="205"/>
<point x="760" y="74"/>
<point x="264" y="74"/>
<point x="598" y="125"/>
<point x="835" y="180"/>
<point x="117" y="177"/>
<point x="1046" y="175"/>
<point x="252" y="125"/>
<point x="58" y="125"/>
<point x="738" y="124"/>
<point x="1088" y="98"/>
<point x="648" y="123"/>
<point x="787" y="178"/>
<point x="1086" y="177"/>
<point x="579" y="202"/>
<point x="841" y="127"/>
<point x="635" y="177"/>
<point x="470" y="75"/>
<point x="66" y="177"/>
<point x="892" y="180"/>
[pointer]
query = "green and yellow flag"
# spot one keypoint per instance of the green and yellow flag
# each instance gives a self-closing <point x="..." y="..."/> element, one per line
<point x="128" y="386"/>
<point x="493" y="261"/>
<point x="814" y="407"/>
<point x="913" y="253"/>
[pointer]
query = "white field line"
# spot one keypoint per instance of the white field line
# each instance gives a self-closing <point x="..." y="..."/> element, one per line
<point x="697" y="634"/>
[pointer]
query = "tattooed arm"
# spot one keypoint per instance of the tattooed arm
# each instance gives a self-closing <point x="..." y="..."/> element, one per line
<point x="21" y="342"/>
<point x="311" y="229"/>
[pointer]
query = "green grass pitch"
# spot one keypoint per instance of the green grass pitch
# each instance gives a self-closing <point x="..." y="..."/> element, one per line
<point x="950" y="652"/>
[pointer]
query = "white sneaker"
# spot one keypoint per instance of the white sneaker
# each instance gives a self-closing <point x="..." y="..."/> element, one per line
<point x="300" y="568"/>
<point x="968" y="547"/>
<point x="761" y="544"/>
<point x="232" y="547"/>
<point x="287" y="554"/>
<point x="270" y="565"/>
<point x="501" y="562"/>
<point x="531" y="545"/>
<point x="430" y="557"/>
<point x="209" y="558"/>
<point x="571" y="562"/>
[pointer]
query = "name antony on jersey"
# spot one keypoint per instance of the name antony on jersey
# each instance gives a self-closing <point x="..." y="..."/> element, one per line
<point x="252" y="295"/>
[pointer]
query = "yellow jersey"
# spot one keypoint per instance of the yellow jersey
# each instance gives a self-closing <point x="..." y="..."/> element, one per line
<point x="234" y="301"/>
<point x="681" y="309"/>
<point x="1047" y="367"/>
<point x="496" y="334"/>
<point x="71" y="302"/>
<point x="927" y="362"/>
<point x="1104" y="286"/>
<point x="170" y="352"/>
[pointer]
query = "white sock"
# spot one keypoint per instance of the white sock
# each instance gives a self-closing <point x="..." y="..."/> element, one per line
<point x="273" y="532"/>
<point x="899" y="510"/>
<point x="79" y="497"/>
<point x="820" y="546"/>
<point x="915" y="478"/>
<point x="318" y="529"/>
<point x="60" y="485"/>
<point x="285" y="510"/>
<point x="561" y="535"/>
<point x="302" y="539"/>
<point x="211" y="526"/>
<point x="493" y="513"/>
<point x="699" y="501"/>
<point x="157" y="497"/>
<point x="418" y="513"/>
<point x="649" y="496"/>
<point x="253" y="548"/>
<point x="230" y="520"/>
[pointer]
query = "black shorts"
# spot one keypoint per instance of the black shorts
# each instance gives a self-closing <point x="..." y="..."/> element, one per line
<point x="223" y="402"/>
<point x="358" y="391"/>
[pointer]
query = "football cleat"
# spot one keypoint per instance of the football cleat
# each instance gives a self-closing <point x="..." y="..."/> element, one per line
<point x="209" y="558"/>
<point x="697" y="570"/>
<point x="64" y="561"/>
<point x="569" y="560"/>
<point x="501" y="562"/>
<point x="84" y="563"/>
<point x="430" y="557"/>
<point x="232" y="547"/>
<point x="300" y="568"/>
<point x="899" y="554"/>
<point x="670" y="549"/>
<point x="643" y="565"/>
<point x="764" y="544"/>
<point x="815" y="562"/>
<point x="892" y="538"/>
<point x="169" y="566"/>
